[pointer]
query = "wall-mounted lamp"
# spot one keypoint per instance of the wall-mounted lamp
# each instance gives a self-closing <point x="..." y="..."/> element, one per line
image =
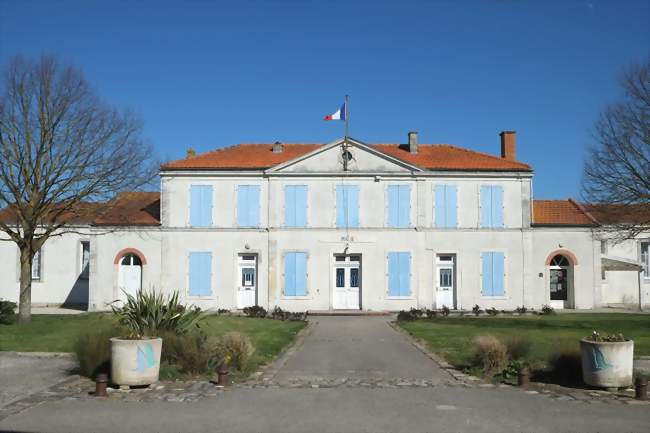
<point x="377" y="178"/>
<point x="247" y="247"/>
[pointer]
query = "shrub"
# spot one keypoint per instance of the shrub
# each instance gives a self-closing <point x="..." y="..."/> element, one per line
<point x="565" y="366"/>
<point x="521" y="310"/>
<point x="476" y="310"/>
<point x="513" y="368"/>
<point x="430" y="313"/>
<point x="151" y="313"/>
<point x="223" y="312"/>
<point x="445" y="310"/>
<point x="518" y="347"/>
<point x="280" y="314"/>
<point x="610" y="338"/>
<point x="255" y="311"/>
<point x="492" y="311"/>
<point x="547" y="310"/>
<point x="93" y="351"/>
<point x="236" y="350"/>
<point x="405" y="316"/>
<point x="192" y="353"/>
<point x="7" y="312"/>
<point x="416" y="313"/>
<point x="490" y="355"/>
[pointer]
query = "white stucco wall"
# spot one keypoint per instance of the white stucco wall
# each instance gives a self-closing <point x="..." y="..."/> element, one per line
<point x="622" y="287"/>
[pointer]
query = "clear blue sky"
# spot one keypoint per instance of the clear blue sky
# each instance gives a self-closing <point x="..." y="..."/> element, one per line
<point x="210" y="74"/>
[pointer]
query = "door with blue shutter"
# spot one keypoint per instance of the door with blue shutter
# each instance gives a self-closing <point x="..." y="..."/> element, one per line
<point x="200" y="274"/>
<point x="200" y="205"/>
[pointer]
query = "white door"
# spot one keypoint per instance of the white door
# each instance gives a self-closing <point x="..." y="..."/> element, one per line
<point x="445" y="286"/>
<point x="247" y="281"/>
<point x="347" y="282"/>
<point x="130" y="275"/>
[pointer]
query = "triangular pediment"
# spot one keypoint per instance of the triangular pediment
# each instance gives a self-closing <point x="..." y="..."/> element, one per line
<point x="329" y="159"/>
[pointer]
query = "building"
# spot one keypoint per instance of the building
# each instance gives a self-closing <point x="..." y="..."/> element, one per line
<point x="344" y="225"/>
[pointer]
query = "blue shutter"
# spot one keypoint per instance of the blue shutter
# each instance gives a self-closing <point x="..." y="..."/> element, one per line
<point x="405" y="274"/>
<point x="253" y="203"/>
<point x="289" y="206"/>
<point x="242" y="203"/>
<point x="200" y="205"/>
<point x="341" y="201"/>
<point x="393" y="203"/>
<point x="393" y="274"/>
<point x="301" y="274"/>
<point x="195" y="205"/>
<point x="487" y="274"/>
<point x="195" y="274"/>
<point x="441" y="206"/>
<point x="301" y="206"/>
<point x="497" y="206"/>
<point x="486" y="206"/>
<point x="497" y="274"/>
<point x="451" y="205"/>
<point x="290" y="274"/>
<point x="206" y="289"/>
<point x="404" y="218"/>
<point x="353" y="205"/>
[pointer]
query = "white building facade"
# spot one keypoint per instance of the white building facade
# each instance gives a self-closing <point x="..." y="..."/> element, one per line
<point x="344" y="225"/>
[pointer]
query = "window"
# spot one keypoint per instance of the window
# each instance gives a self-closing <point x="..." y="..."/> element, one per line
<point x="340" y="277"/>
<point x="200" y="278"/>
<point x="645" y="258"/>
<point x="354" y="277"/>
<point x="85" y="259"/>
<point x="493" y="273"/>
<point x="399" y="205"/>
<point x="491" y="206"/>
<point x="248" y="206"/>
<point x="347" y="206"/>
<point x="200" y="205"/>
<point x="295" y="274"/>
<point x="603" y="246"/>
<point x="399" y="274"/>
<point x="295" y="206"/>
<point x="37" y="265"/>
<point x="446" y="206"/>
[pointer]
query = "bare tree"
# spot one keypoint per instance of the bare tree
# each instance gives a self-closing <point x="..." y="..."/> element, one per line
<point x="60" y="148"/>
<point x="616" y="182"/>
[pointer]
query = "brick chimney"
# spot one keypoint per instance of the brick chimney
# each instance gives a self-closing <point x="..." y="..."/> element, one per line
<point x="509" y="145"/>
<point x="277" y="147"/>
<point x="413" y="142"/>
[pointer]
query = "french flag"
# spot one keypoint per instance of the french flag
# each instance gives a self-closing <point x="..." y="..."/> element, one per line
<point x="341" y="113"/>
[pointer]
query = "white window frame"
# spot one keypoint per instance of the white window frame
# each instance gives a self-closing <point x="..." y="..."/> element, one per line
<point x="645" y="260"/>
<point x="83" y="275"/>
<point x="38" y="275"/>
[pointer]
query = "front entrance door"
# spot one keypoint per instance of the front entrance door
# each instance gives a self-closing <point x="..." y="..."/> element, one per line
<point x="347" y="282"/>
<point x="247" y="281"/>
<point x="446" y="281"/>
<point x="130" y="276"/>
<point x="560" y="282"/>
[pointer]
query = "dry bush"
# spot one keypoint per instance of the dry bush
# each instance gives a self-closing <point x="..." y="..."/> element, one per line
<point x="518" y="347"/>
<point x="490" y="354"/>
<point x="235" y="349"/>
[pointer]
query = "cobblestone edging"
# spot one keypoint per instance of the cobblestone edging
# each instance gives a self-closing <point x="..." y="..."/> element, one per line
<point x="556" y="392"/>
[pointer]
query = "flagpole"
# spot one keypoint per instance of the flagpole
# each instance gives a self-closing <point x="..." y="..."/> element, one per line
<point x="345" y="137"/>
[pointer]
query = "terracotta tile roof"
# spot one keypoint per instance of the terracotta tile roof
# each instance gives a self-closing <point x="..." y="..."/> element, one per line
<point x="620" y="213"/>
<point x="132" y="209"/>
<point x="429" y="156"/>
<point x="560" y="213"/>
<point x="83" y="213"/>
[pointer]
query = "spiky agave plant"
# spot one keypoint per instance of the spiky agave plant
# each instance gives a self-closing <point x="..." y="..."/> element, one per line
<point x="148" y="313"/>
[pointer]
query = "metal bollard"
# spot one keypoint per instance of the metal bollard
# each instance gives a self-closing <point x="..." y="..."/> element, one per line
<point x="523" y="378"/>
<point x="641" y="388"/>
<point x="100" y="385"/>
<point x="223" y="378"/>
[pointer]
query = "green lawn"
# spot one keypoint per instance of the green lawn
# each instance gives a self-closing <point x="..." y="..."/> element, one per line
<point x="451" y="337"/>
<point x="57" y="333"/>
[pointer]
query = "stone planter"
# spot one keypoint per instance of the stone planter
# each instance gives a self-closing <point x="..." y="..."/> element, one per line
<point x="135" y="362"/>
<point x="607" y="364"/>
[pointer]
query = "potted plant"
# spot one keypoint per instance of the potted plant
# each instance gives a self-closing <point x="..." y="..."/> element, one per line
<point x="607" y="360"/>
<point x="135" y="357"/>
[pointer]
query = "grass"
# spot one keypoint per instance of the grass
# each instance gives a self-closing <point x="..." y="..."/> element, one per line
<point x="57" y="333"/>
<point x="451" y="337"/>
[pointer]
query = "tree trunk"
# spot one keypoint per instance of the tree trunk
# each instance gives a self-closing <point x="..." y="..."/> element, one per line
<point x="25" y="302"/>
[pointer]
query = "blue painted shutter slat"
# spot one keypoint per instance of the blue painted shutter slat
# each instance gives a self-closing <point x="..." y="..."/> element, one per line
<point x="353" y="206"/>
<point x="404" y="218"/>
<point x="207" y="274"/>
<point x="393" y="203"/>
<point x="253" y="206"/>
<point x="441" y="206"/>
<point x="301" y="274"/>
<point x="206" y="205"/>
<point x="195" y="206"/>
<point x="340" y="206"/>
<point x="405" y="274"/>
<point x="497" y="274"/>
<point x="487" y="274"/>
<point x="290" y="274"/>
<point x="486" y="206"/>
<point x="393" y="274"/>
<point x="497" y="206"/>
<point x="289" y="206"/>
<point x="195" y="274"/>
<point x="242" y="213"/>
<point x="301" y="206"/>
<point x="451" y="205"/>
